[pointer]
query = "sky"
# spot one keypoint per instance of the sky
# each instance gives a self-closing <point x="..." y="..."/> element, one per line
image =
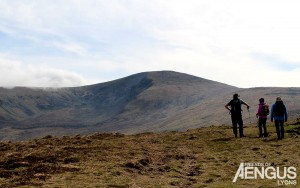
<point x="51" y="43"/>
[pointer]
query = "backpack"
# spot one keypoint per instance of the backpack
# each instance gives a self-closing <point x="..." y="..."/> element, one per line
<point x="265" y="110"/>
<point x="279" y="109"/>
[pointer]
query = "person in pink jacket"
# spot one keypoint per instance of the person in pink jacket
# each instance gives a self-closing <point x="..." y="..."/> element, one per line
<point x="262" y="114"/>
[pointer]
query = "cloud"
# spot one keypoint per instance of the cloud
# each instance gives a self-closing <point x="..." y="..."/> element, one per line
<point x="229" y="41"/>
<point x="276" y="62"/>
<point x="16" y="73"/>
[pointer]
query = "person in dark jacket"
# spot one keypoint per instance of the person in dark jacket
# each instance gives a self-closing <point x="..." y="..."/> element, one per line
<point x="279" y="115"/>
<point x="262" y="117"/>
<point x="235" y="108"/>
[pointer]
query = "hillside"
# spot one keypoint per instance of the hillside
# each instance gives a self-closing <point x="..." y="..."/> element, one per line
<point x="212" y="112"/>
<point x="204" y="157"/>
<point x="127" y="105"/>
<point x="144" y="102"/>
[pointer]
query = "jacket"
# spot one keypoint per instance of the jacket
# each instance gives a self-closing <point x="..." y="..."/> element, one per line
<point x="276" y="117"/>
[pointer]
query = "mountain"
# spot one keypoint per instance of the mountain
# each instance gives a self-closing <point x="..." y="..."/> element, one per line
<point x="144" y="102"/>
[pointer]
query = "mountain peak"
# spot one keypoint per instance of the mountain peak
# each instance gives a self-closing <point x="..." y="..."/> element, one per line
<point x="169" y="76"/>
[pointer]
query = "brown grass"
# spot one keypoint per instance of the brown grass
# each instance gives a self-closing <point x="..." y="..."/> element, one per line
<point x="206" y="157"/>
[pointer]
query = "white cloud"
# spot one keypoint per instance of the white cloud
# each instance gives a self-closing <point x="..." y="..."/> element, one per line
<point x="16" y="73"/>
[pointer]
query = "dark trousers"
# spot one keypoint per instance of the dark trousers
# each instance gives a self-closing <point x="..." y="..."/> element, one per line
<point x="279" y="129"/>
<point x="262" y="125"/>
<point x="237" y="120"/>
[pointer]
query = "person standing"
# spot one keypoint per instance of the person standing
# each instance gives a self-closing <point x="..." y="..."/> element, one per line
<point x="262" y="113"/>
<point x="235" y="108"/>
<point x="279" y="115"/>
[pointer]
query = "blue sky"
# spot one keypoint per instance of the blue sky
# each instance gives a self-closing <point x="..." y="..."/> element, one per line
<point x="77" y="42"/>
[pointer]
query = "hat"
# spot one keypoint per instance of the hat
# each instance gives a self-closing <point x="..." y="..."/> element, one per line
<point x="235" y="96"/>
<point x="278" y="99"/>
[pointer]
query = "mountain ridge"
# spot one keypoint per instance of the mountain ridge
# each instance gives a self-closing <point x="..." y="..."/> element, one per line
<point x="149" y="101"/>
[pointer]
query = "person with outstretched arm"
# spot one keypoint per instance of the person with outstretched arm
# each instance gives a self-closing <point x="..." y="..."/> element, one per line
<point x="235" y="109"/>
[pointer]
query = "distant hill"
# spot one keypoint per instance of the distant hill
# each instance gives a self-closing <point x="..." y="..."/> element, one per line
<point x="149" y="101"/>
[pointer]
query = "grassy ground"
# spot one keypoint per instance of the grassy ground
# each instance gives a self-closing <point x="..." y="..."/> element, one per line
<point x="206" y="157"/>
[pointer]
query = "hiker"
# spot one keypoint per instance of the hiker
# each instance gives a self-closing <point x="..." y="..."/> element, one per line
<point x="236" y="113"/>
<point x="279" y="114"/>
<point x="262" y="113"/>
